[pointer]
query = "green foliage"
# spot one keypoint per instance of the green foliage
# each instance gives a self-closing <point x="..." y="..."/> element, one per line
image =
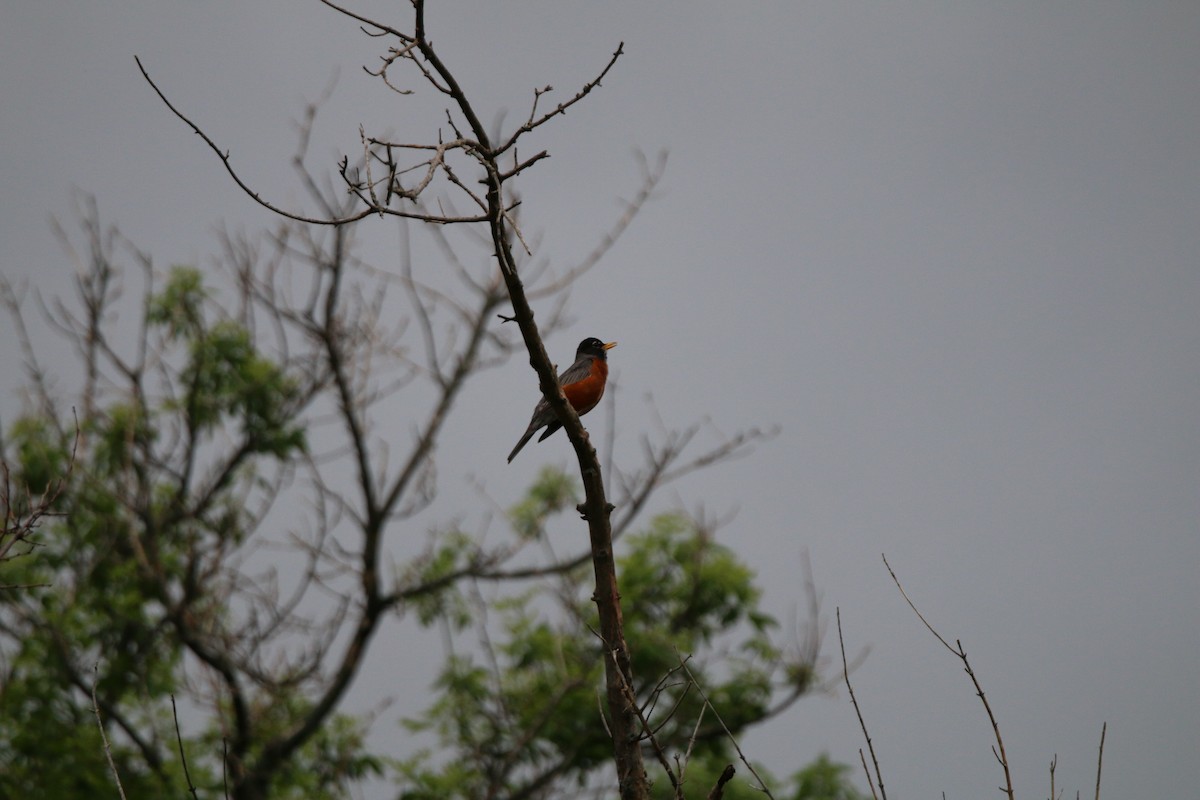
<point x="63" y="757"/>
<point x="328" y="764"/>
<point x="227" y="378"/>
<point x="134" y="565"/>
<point x="444" y="602"/>
<point x="123" y="431"/>
<point x="552" y="492"/>
<point x="121" y="563"/>
<point x="41" y="454"/>
<point x="824" y="779"/>
<point x="681" y="591"/>
<point x="526" y="712"/>
<point x="179" y="307"/>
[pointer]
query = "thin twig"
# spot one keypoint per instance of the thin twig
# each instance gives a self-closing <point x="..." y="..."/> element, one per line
<point x="403" y="37"/>
<point x="561" y="108"/>
<point x="187" y="776"/>
<point x="647" y="732"/>
<point x="762" y="785"/>
<point x="687" y="757"/>
<point x="335" y="221"/>
<point x="958" y="651"/>
<point x="863" y="758"/>
<point x="861" y="721"/>
<point x="224" y="156"/>
<point x="651" y="176"/>
<point x="103" y="736"/>
<point x="1100" y="758"/>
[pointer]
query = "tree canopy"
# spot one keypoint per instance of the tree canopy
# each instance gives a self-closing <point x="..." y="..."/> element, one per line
<point x="211" y="520"/>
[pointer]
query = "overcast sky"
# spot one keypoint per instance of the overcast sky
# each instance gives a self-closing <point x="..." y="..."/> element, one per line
<point x="951" y="248"/>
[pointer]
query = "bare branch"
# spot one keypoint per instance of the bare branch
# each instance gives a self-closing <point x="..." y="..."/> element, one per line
<point x="374" y="207"/>
<point x="1100" y="758"/>
<point x="651" y="177"/>
<point x="561" y="108"/>
<point x="762" y="786"/>
<point x="107" y="748"/>
<point x="862" y="723"/>
<point x="380" y="27"/>
<point x="647" y="732"/>
<point x="958" y="651"/>
<point x="867" y="771"/>
<point x="182" y="756"/>
<point x="225" y="160"/>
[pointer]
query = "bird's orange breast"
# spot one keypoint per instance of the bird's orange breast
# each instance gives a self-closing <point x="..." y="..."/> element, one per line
<point x="583" y="395"/>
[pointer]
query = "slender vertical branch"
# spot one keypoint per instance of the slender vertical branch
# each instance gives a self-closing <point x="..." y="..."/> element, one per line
<point x="862" y="723"/>
<point x="187" y="775"/>
<point x="957" y="650"/>
<point x="867" y="771"/>
<point x="112" y="766"/>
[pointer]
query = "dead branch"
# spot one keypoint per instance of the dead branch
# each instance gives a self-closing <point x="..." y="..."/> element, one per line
<point x="762" y="786"/>
<point x="862" y="723"/>
<point x="187" y="775"/>
<point x="1100" y="758"/>
<point x="957" y="650"/>
<point x="561" y="108"/>
<point x="647" y="733"/>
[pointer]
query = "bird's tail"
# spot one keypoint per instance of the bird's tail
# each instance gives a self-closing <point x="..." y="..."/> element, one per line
<point x="524" y="440"/>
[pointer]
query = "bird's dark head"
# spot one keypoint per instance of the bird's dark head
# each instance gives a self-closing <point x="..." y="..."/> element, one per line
<point x="594" y="347"/>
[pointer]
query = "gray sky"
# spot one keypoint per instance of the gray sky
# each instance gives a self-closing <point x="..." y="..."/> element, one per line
<point x="949" y="247"/>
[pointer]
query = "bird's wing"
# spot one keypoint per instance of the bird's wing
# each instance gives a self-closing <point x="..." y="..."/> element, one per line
<point x="576" y="372"/>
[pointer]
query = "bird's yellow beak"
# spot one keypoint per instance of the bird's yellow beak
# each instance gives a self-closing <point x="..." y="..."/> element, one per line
<point x="610" y="345"/>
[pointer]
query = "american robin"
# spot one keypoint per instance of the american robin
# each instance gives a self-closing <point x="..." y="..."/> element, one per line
<point x="582" y="383"/>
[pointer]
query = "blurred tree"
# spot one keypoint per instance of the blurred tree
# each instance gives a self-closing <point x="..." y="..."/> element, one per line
<point x="824" y="779"/>
<point x="236" y="529"/>
<point x="146" y="579"/>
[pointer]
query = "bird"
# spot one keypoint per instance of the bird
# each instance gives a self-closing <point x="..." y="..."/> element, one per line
<point x="582" y="383"/>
